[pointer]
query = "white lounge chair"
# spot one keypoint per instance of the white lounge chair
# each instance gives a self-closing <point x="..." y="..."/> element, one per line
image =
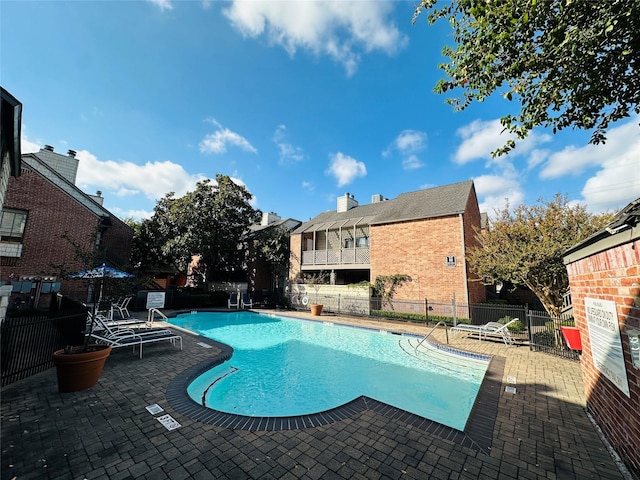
<point x="233" y="300"/>
<point x="121" y="307"/>
<point x="105" y="309"/>
<point x="246" y="301"/>
<point x="114" y="327"/>
<point x="130" y="337"/>
<point x="124" y="339"/>
<point x="488" y="329"/>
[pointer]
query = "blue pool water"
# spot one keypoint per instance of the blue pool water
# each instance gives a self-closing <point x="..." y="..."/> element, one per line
<point x="285" y="367"/>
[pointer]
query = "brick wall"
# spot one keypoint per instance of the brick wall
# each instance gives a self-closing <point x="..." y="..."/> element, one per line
<point x="471" y="221"/>
<point x="612" y="275"/>
<point x="419" y="249"/>
<point x="117" y="240"/>
<point x="52" y="213"/>
<point x="295" y="259"/>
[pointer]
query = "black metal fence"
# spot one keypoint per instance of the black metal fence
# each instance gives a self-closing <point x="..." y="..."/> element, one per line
<point x="482" y="313"/>
<point x="28" y="342"/>
<point x="546" y="334"/>
<point x="534" y="328"/>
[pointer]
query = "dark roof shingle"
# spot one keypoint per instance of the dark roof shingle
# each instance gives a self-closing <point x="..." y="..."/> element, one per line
<point x="428" y="203"/>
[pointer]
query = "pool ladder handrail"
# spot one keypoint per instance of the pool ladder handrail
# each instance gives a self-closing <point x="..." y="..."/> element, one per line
<point x="150" y="315"/>
<point x="446" y="332"/>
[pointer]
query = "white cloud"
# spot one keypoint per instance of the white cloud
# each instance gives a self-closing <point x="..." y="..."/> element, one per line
<point x="345" y="168"/>
<point x="217" y="141"/>
<point x="496" y="191"/>
<point x="481" y="137"/>
<point x="27" y="146"/>
<point x="339" y="29"/>
<point x="153" y="179"/>
<point x="162" y="4"/>
<point x="408" y="143"/>
<point x="309" y="186"/>
<point x="412" y="162"/>
<point x="622" y="142"/>
<point x="615" y="185"/>
<point x="411" y="141"/>
<point x="617" y="180"/>
<point x="135" y="214"/>
<point x="288" y="152"/>
<point x="537" y="157"/>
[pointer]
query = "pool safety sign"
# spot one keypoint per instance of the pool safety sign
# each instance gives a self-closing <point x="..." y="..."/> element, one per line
<point x="155" y="300"/>
<point x="606" y="346"/>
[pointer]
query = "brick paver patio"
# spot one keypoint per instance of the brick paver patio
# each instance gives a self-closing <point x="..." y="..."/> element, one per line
<point x="540" y="432"/>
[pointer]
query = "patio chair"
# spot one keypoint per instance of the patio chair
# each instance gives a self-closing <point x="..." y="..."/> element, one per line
<point x="488" y="329"/>
<point x="233" y="300"/>
<point x="120" y="307"/>
<point x="246" y="300"/>
<point x="113" y="327"/>
<point x="105" y="309"/>
<point x="130" y="322"/>
<point x="130" y="337"/>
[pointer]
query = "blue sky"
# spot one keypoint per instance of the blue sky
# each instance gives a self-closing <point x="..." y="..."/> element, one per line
<point x="300" y="101"/>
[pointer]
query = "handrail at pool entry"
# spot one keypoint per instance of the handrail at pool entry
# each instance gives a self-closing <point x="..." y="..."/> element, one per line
<point x="446" y="332"/>
<point x="153" y="311"/>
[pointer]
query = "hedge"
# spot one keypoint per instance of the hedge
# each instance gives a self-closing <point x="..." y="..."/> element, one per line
<point x="416" y="317"/>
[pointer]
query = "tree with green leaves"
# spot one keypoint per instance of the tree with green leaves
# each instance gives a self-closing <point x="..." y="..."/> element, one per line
<point x="272" y="245"/>
<point x="569" y="63"/>
<point x="526" y="247"/>
<point x="208" y="222"/>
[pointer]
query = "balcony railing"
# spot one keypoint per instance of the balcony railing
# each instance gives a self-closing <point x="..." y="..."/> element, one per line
<point x="345" y="256"/>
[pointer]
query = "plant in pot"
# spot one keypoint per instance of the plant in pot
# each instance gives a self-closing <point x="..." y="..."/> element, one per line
<point x="314" y="281"/>
<point x="80" y="364"/>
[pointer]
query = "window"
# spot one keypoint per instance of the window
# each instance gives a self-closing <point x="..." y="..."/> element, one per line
<point x="12" y="225"/>
<point x="362" y="241"/>
<point x="348" y="243"/>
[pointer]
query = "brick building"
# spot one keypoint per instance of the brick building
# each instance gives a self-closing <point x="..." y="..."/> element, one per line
<point x="604" y="278"/>
<point x="43" y="216"/>
<point x="424" y="234"/>
<point x="10" y="127"/>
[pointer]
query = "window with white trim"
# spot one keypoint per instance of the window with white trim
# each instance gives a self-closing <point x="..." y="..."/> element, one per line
<point x="12" y="223"/>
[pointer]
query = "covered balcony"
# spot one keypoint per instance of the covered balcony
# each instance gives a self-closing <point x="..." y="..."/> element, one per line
<point x="336" y="244"/>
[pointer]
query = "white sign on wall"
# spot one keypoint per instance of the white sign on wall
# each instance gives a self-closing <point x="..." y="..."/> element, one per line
<point x="155" y="300"/>
<point x="606" y="346"/>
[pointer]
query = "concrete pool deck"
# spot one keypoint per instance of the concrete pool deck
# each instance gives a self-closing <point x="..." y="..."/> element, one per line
<point x="540" y="432"/>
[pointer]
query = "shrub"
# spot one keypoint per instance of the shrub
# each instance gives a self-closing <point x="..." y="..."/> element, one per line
<point x="516" y="326"/>
<point x="416" y="317"/>
<point x="544" y="338"/>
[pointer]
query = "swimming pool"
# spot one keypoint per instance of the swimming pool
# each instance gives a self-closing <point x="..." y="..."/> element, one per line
<point x="284" y="366"/>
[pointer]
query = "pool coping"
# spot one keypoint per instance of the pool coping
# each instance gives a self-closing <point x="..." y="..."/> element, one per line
<point x="477" y="434"/>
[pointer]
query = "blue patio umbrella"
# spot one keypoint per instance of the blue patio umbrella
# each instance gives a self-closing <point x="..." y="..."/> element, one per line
<point x="101" y="272"/>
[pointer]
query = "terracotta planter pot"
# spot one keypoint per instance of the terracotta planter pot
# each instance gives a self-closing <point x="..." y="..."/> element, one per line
<point x="316" y="309"/>
<point x="79" y="371"/>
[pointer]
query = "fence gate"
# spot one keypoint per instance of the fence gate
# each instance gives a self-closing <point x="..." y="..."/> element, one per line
<point x="546" y="336"/>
